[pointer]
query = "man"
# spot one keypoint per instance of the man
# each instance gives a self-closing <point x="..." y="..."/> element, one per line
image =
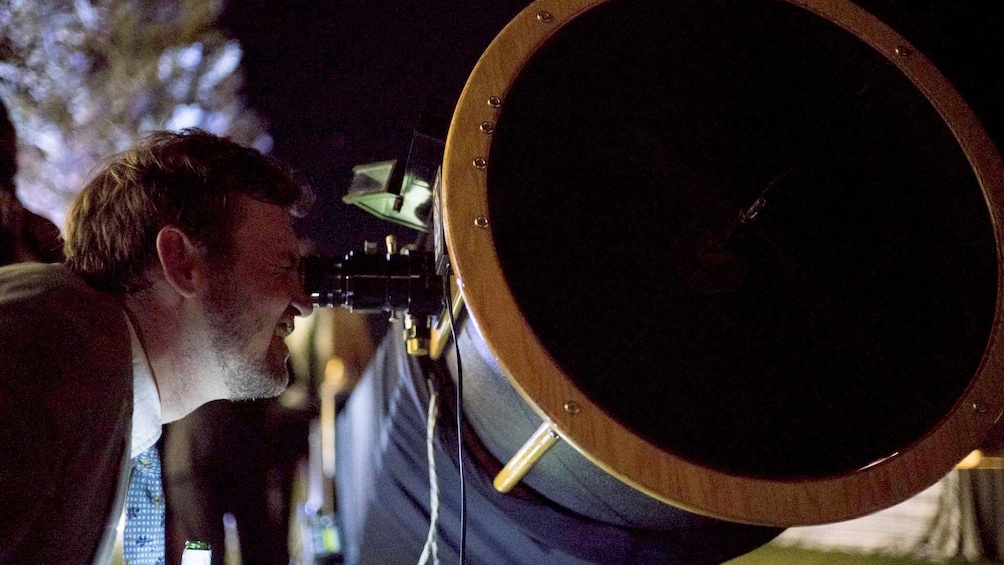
<point x="24" y="236"/>
<point x="181" y="281"/>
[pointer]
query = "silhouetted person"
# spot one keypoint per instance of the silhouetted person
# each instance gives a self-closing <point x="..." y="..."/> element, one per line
<point x="24" y="236"/>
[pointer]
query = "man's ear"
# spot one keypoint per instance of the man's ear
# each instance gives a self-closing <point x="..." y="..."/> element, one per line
<point x="180" y="259"/>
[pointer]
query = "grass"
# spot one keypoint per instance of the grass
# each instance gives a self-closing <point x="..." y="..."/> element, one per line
<point x="775" y="555"/>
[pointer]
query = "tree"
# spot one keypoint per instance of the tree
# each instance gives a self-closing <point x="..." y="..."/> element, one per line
<point x="84" y="78"/>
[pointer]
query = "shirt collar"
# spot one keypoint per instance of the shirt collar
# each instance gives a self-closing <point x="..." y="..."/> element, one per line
<point x="146" y="419"/>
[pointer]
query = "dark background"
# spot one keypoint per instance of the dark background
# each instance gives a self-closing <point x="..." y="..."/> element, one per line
<point x="344" y="82"/>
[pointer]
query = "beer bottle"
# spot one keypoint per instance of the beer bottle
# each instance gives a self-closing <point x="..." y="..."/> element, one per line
<point x="197" y="553"/>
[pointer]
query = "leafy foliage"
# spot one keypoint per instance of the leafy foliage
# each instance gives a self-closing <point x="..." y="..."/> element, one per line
<point x="82" y="79"/>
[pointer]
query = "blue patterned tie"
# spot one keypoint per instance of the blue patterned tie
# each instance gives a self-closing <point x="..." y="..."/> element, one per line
<point x="143" y="539"/>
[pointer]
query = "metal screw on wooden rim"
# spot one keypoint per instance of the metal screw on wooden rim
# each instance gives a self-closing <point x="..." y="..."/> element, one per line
<point x="495" y="102"/>
<point x="480" y="163"/>
<point x="572" y="407"/>
<point x="979" y="407"/>
<point x="481" y="221"/>
<point x="487" y="127"/>
<point x="545" y="16"/>
<point x="902" y="50"/>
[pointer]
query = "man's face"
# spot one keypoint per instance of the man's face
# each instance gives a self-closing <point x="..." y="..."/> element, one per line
<point x="254" y="295"/>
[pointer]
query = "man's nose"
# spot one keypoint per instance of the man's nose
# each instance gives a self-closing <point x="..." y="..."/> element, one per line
<point x="302" y="303"/>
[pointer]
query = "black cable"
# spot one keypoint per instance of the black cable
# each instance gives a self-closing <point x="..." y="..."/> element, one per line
<point x="460" y="404"/>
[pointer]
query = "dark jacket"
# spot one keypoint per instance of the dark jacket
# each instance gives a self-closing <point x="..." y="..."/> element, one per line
<point x="65" y="413"/>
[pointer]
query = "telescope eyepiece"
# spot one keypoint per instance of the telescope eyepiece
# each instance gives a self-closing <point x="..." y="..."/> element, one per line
<point x="323" y="281"/>
<point x="371" y="282"/>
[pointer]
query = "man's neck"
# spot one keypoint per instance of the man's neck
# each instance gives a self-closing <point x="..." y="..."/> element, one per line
<point x="177" y="353"/>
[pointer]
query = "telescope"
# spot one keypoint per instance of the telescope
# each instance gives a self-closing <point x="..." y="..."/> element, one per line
<point x="721" y="268"/>
<point x="400" y="284"/>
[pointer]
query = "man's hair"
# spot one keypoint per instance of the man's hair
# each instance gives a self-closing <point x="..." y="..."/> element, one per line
<point x="170" y="178"/>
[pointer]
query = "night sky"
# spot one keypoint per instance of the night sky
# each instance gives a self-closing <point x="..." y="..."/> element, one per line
<point x="343" y="83"/>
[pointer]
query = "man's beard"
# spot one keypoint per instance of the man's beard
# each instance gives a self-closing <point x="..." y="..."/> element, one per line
<point x="244" y="377"/>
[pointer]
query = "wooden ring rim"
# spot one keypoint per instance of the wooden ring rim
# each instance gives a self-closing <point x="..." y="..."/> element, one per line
<point x="606" y="442"/>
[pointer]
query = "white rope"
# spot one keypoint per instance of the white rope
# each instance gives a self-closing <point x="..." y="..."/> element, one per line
<point x="431" y="549"/>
